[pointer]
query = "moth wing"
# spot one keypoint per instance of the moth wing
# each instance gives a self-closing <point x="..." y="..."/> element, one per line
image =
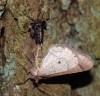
<point x="62" y="59"/>
<point x="84" y="62"/>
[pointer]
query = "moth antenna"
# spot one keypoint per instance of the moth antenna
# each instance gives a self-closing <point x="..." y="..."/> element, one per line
<point x="42" y="16"/>
<point x="38" y="16"/>
<point x="28" y="16"/>
<point x="51" y="19"/>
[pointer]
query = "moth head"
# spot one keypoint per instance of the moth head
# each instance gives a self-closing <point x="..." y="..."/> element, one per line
<point x="34" y="71"/>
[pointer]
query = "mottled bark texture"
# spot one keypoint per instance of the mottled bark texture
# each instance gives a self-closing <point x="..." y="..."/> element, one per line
<point x="74" y="22"/>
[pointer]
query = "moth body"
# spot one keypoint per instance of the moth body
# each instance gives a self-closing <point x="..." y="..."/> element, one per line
<point x="38" y="56"/>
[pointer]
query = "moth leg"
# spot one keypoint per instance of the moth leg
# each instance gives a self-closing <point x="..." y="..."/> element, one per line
<point x="36" y="85"/>
<point x="21" y="83"/>
<point x="42" y="91"/>
<point x="28" y="78"/>
<point x="25" y="69"/>
<point x="29" y="73"/>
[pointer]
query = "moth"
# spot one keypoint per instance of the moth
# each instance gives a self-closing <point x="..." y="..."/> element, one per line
<point x="60" y="60"/>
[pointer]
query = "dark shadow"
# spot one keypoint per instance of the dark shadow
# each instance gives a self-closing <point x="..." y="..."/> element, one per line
<point x="75" y="80"/>
<point x="80" y="79"/>
<point x="57" y="80"/>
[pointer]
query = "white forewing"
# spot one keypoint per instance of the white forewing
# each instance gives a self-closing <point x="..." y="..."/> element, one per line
<point x="59" y="59"/>
<point x="62" y="59"/>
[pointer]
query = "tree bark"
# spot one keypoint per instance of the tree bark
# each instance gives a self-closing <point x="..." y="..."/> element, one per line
<point x="16" y="44"/>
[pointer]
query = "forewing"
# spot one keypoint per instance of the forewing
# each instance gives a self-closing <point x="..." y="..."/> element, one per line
<point x="84" y="61"/>
<point x="62" y="59"/>
<point x="58" y="59"/>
